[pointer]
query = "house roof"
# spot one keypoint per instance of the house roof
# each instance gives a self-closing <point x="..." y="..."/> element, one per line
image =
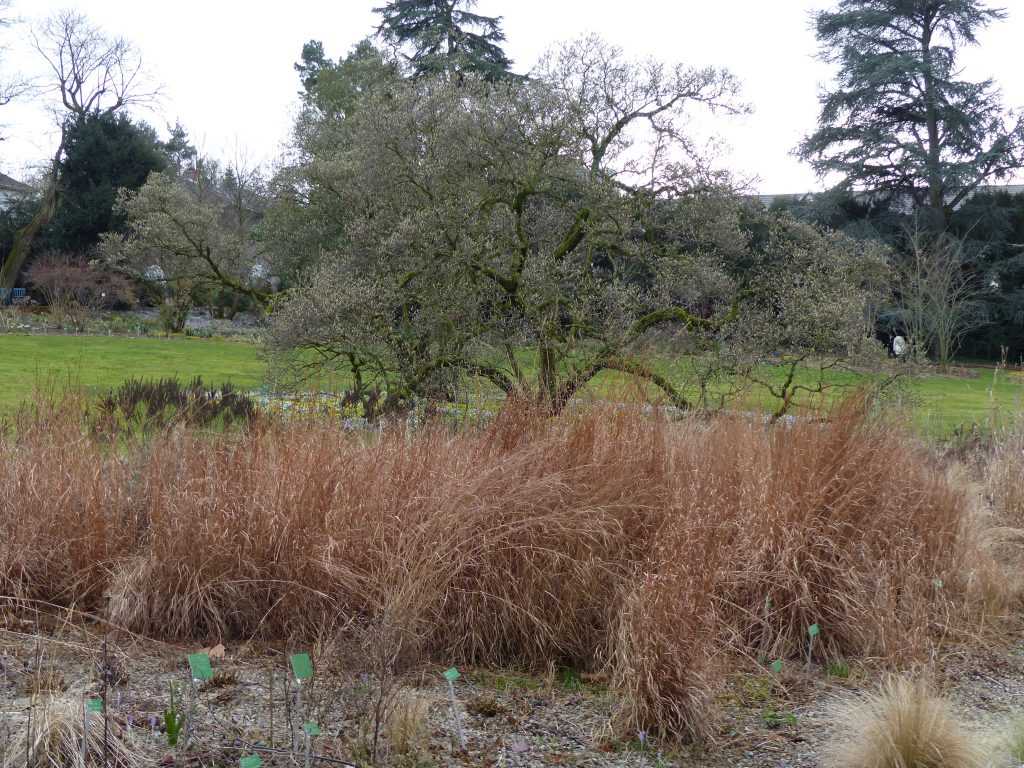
<point x="13" y="185"/>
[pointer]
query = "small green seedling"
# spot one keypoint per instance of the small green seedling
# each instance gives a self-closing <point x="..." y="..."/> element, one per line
<point x="174" y="721"/>
<point x="250" y="761"/>
<point x="838" y="669"/>
<point x="774" y="719"/>
<point x="302" y="666"/>
<point x="199" y="665"/>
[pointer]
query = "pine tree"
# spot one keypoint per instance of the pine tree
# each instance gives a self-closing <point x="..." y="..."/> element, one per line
<point x="900" y="120"/>
<point x="445" y="36"/>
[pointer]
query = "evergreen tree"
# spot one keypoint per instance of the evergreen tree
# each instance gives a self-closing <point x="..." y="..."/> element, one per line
<point x="103" y="154"/>
<point x="901" y="120"/>
<point x="445" y="36"/>
<point x="334" y="88"/>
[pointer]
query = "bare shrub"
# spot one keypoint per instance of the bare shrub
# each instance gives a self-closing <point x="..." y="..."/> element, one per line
<point x="73" y="289"/>
<point x="903" y="725"/>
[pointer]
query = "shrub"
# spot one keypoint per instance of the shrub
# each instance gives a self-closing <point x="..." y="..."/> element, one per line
<point x="903" y="725"/>
<point x="149" y="405"/>
<point x="67" y="282"/>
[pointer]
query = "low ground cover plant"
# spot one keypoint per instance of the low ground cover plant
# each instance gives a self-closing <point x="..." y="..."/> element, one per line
<point x="606" y="540"/>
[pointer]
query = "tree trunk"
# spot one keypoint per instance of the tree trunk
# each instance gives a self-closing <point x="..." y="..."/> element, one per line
<point x="547" y="376"/>
<point x="936" y="186"/>
<point x="26" y="235"/>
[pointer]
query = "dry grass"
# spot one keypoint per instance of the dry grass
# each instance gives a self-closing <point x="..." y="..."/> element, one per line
<point x="604" y="540"/>
<point x="407" y="728"/>
<point x="1013" y="743"/>
<point x="55" y="738"/>
<point x="904" y="725"/>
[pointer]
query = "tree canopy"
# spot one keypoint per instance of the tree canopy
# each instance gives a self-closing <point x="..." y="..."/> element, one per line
<point x="446" y="37"/>
<point x="102" y="154"/>
<point x="900" y="119"/>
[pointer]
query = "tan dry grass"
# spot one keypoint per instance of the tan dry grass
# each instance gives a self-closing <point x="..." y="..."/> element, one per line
<point x="601" y="540"/>
<point x="904" y="725"/>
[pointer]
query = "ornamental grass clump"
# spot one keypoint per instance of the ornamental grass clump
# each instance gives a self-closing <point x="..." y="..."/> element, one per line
<point x="603" y="540"/>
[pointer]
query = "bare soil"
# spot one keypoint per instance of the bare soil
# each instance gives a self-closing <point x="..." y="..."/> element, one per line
<point x="767" y="718"/>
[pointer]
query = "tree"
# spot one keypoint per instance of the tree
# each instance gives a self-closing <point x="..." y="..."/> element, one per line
<point x="102" y="154"/>
<point x="186" y="237"/>
<point x="306" y="216"/>
<point x="92" y="75"/>
<point x="990" y="226"/>
<point x="900" y="120"/>
<point x="335" y="88"/>
<point x="483" y="222"/>
<point x="938" y="295"/>
<point x="445" y="37"/>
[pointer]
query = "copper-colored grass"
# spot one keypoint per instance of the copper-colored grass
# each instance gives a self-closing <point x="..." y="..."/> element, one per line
<point x="603" y="539"/>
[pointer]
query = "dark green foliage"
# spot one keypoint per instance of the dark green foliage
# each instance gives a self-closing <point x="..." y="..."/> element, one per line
<point x="103" y="153"/>
<point x="992" y="228"/>
<point x="445" y="37"/>
<point x="151" y="405"/>
<point x="181" y="153"/>
<point x="334" y="88"/>
<point x="899" y="119"/>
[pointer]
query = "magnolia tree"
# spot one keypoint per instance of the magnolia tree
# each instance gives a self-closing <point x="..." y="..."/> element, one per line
<point x="518" y="232"/>
<point x="190" y="236"/>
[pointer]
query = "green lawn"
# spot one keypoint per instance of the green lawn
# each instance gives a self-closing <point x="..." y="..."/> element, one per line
<point x="97" y="363"/>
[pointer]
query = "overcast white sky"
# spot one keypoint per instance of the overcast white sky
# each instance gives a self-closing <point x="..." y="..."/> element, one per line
<point x="226" y="65"/>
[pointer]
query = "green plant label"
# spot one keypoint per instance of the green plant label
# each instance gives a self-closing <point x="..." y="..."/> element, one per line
<point x="250" y="761"/>
<point x="311" y="729"/>
<point x="94" y="705"/>
<point x="199" y="664"/>
<point x="813" y="631"/>
<point x="776" y="666"/>
<point x="938" y="583"/>
<point x="302" y="666"/>
<point x="451" y="675"/>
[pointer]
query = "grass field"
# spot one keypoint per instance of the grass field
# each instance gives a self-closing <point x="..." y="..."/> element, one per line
<point x="939" y="403"/>
<point x="99" y="363"/>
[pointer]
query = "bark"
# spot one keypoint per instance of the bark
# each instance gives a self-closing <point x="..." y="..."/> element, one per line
<point x="26" y="235"/>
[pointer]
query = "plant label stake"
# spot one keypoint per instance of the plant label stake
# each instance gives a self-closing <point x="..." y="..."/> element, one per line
<point x="200" y="672"/>
<point x="311" y="729"/>
<point x="776" y="666"/>
<point x="250" y="761"/>
<point x="451" y="675"/>
<point x="812" y="633"/>
<point x="302" y="668"/>
<point x="199" y="666"/>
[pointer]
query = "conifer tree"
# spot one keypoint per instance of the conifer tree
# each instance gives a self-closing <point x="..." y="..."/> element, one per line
<point x="445" y="36"/>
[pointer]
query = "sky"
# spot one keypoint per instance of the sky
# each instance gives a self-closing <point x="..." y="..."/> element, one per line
<point x="225" y="66"/>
